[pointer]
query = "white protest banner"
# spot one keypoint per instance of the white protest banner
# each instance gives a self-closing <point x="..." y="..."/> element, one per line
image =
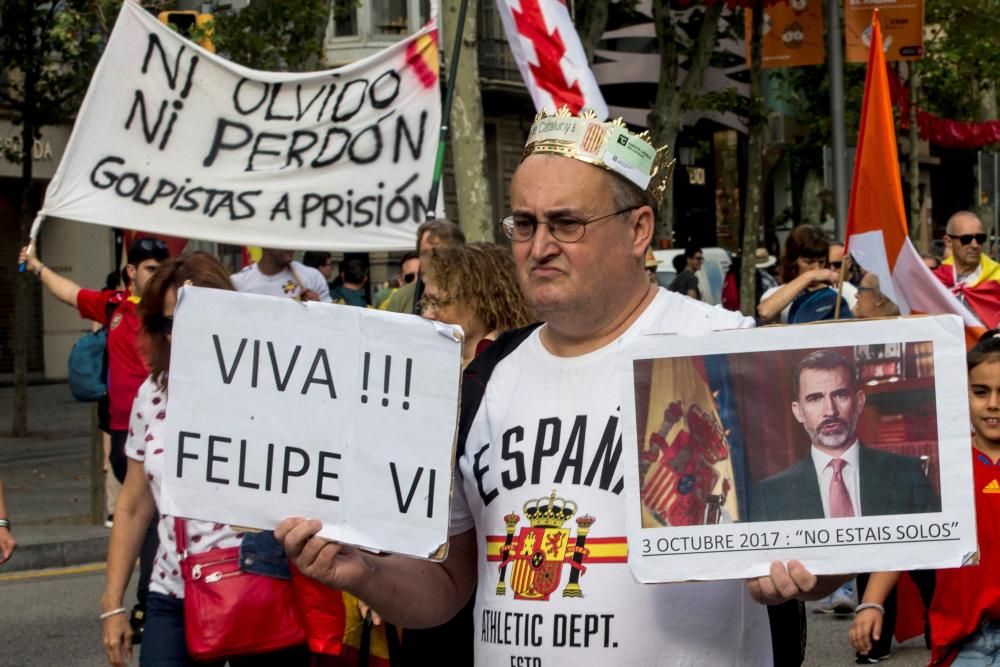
<point x="280" y="408"/>
<point x="172" y="139"/>
<point x="835" y="444"/>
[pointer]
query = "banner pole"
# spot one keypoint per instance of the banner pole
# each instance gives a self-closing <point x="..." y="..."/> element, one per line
<point x="840" y="283"/>
<point x="32" y="235"/>
<point x="446" y="109"/>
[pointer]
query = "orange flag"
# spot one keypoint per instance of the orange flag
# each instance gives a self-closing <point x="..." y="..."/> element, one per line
<point x="876" y="219"/>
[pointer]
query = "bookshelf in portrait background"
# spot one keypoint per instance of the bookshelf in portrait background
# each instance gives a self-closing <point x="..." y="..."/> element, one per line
<point x="901" y="416"/>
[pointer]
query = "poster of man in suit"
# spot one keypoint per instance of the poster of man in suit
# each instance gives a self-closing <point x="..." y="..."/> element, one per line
<point x="841" y="476"/>
<point x="762" y="445"/>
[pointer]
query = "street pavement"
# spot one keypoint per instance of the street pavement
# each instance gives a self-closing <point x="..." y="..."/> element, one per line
<point x="48" y="616"/>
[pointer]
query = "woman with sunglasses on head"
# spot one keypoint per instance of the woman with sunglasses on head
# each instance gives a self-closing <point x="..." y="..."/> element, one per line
<point x="475" y="287"/>
<point x="163" y="636"/>
<point x="804" y="274"/>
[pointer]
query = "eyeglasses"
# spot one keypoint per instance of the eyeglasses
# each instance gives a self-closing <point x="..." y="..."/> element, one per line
<point x="966" y="239"/>
<point x="409" y="277"/>
<point x="835" y="265"/>
<point x="565" y="229"/>
<point x="427" y="302"/>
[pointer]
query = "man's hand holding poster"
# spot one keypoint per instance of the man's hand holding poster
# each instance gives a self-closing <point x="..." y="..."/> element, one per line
<point x="280" y="408"/>
<point x="742" y="448"/>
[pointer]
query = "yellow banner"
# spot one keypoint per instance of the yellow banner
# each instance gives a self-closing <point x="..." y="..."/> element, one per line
<point x="902" y="24"/>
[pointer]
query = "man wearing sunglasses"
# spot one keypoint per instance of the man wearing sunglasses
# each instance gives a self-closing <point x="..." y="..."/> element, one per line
<point x="968" y="272"/>
<point x="116" y="310"/>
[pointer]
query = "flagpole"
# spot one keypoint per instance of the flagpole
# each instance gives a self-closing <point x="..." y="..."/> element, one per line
<point x="446" y="110"/>
<point x="838" y="144"/>
<point x="840" y="283"/>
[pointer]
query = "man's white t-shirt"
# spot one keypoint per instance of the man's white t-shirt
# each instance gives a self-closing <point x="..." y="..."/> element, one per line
<point x="290" y="281"/>
<point x="549" y="428"/>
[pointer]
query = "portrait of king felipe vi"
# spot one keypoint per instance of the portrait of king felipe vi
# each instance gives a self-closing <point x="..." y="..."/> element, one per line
<point x="841" y="476"/>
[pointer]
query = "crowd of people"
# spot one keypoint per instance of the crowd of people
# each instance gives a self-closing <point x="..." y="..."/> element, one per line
<point x="543" y="321"/>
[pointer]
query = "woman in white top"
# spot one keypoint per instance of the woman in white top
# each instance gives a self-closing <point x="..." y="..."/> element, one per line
<point x="163" y="641"/>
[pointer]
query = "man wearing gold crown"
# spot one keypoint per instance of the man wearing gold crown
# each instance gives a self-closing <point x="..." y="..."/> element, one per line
<point x="538" y="514"/>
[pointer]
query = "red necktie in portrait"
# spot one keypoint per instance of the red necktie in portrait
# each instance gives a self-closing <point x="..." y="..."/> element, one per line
<point x="840" y="499"/>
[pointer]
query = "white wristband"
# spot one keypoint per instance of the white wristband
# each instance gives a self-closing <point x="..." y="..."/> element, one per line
<point x="870" y="605"/>
<point x="114" y="612"/>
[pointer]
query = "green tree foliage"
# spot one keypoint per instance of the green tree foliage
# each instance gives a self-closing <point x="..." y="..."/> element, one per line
<point x="961" y="64"/>
<point x="274" y="35"/>
<point x="49" y="51"/>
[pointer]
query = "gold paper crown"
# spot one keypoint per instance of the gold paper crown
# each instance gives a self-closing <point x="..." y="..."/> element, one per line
<point x="607" y="144"/>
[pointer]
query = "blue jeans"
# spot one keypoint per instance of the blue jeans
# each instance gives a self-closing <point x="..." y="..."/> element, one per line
<point x="163" y="642"/>
<point x="982" y="648"/>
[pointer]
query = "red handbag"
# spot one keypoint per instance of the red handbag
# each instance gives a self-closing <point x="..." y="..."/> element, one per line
<point x="228" y="612"/>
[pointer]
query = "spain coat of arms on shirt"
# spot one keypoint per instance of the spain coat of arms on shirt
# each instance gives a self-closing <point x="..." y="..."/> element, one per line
<point x="535" y="555"/>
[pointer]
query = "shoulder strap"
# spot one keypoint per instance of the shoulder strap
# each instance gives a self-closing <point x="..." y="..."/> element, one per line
<point x="180" y="536"/>
<point x="477" y="375"/>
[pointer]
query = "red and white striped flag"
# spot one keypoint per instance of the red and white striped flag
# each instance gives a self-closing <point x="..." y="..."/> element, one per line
<point x="550" y="56"/>
<point x="876" y="220"/>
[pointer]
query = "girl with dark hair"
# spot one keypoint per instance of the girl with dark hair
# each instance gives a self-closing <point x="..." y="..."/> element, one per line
<point x="163" y="640"/>
<point x="965" y="609"/>
<point x="803" y="273"/>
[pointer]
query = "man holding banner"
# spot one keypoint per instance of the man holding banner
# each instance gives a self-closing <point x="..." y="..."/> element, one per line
<point x="538" y="516"/>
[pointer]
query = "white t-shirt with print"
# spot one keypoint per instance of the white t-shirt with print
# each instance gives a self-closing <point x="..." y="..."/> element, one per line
<point x="145" y="444"/>
<point x="283" y="283"/>
<point x="550" y="427"/>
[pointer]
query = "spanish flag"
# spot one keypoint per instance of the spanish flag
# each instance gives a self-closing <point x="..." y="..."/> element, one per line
<point x="685" y="462"/>
<point x="981" y="295"/>
<point x="876" y="220"/>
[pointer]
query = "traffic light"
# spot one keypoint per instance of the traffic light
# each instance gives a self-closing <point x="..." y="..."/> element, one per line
<point x="191" y="24"/>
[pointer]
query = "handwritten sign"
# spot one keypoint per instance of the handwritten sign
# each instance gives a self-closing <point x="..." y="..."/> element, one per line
<point x="834" y="444"/>
<point x="175" y="140"/>
<point x="280" y="408"/>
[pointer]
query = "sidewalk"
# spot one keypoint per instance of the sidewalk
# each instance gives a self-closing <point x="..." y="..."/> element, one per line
<point x="46" y="479"/>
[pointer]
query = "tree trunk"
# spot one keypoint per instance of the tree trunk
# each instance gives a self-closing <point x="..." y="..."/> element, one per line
<point x="755" y="166"/>
<point x="591" y="21"/>
<point x="22" y="281"/>
<point x="987" y="101"/>
<point x="812" y="199"/>
<point x="22" y="295"/>
<point x="664" y="119"/>
<point x="468" y="143"/>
